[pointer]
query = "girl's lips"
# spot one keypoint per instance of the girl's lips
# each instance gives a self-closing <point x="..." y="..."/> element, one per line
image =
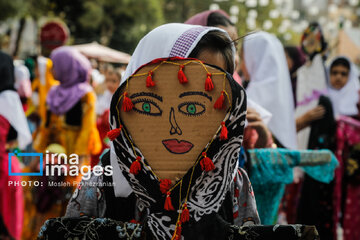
<point x="176" y="146"/>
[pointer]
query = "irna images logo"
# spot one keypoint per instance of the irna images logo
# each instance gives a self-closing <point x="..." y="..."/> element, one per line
<point x="15" y="153"/>
<point x="60" y="164"/>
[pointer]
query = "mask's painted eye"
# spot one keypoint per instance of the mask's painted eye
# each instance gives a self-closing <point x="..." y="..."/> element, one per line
<point x="147" y="107"/>
<point x="191" y="108"/>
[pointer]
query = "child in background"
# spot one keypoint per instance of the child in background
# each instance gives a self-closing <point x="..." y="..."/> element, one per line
<point x="112" y="82"/>
<point x="344" y="87"/>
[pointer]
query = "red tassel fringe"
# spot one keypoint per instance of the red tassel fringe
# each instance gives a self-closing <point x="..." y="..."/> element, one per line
<point x="185" y="216"/>
<point x="206" y="163"/>
<point x="127" y="103"/>
<point x="168" y="205"/>
<point x="181" y="75"/>
<point x="135" y="166"/>
<point x="113" y="134"/>
<point x="178" y="232"/>
<point x="219" y="104"/>
<point x="149" y="80"/>
<point x="165" y="185"/>
<point x="134" y="221"/>
<point x="236" y="192"/>
<point x="224" y="132"/>
<point x="208" y="83"/>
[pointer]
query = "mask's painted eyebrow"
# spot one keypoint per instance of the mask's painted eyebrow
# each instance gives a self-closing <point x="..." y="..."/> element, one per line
<point x="190" y="93"/>
<point x="148" y="94"/>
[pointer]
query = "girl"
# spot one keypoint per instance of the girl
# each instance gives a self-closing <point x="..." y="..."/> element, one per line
<point x="112" y="82"/>
<point x="344" y="87"/>
<point x="130" y="197"/>
<point x="74" y="100"/>
<point x="13" y="126"/>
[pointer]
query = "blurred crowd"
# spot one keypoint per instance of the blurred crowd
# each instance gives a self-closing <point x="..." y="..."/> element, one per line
<point x="298" y="98"/>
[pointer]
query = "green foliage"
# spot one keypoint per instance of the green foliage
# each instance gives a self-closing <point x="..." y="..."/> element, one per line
<point x="120" y="24"/>
<point x="11" y="9"/>
<point x="117" y="23"/>
<point x="92" y="16"/>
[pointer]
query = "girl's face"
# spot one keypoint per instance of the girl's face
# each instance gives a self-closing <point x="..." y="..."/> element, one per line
<point x="339" y="76"/>
<point x="112" y="81"/>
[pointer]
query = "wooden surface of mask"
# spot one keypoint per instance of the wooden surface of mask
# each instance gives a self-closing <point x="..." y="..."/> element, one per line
<point x="172" y="122"/>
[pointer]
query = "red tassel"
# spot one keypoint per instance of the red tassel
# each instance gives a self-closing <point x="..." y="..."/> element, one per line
<point x="181" y="75"/>
<point x="208" y="83"/>
<point x="127" y="103"/>
<point x="168" y="205"/>
<point x="206" y="163"/>
<point x="134" y="221"/>
<point x="113" y="134"/>
<point x="236" y="192"/>
<point x="185" y="216"/>
<point x="149" y="80"/>
<point x="165" y="185"/>
<point x="224" y="132"/>
<point x="219" y="104"/>
<point x="178" y="232"/>
<point x="135" y="166"/>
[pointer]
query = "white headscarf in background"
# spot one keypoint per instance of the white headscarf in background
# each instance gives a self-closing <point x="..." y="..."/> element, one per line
<point x="270" y="84"/>
<point x="345" y="99"/>
<point x="22" y="80"/>
<point x="10" y="104"/>
<point x="175" y="40"/>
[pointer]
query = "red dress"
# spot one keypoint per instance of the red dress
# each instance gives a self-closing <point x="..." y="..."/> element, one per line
<point x="347" y="189"/>
<point x="103" y="127"/>
<point x="11" y="197"/>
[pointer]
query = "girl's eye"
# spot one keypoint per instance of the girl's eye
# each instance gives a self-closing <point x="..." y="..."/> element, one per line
<point x="147" y="107"/>
<point x="191" y="108"/>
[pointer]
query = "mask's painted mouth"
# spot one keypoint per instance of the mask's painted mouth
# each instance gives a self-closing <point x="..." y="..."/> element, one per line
<point x="176" y="146"/>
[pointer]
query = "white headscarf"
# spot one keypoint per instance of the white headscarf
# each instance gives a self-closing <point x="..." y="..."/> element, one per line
<point x="270" y="84"/>
<point x="22" y="80"/>
<point x="10" y="104"/>
<point x="345" y="99"/>
<point x="169" y="40"/>
<point x="11" y="109"/>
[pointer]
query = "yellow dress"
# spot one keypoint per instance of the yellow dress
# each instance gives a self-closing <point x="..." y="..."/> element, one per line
<point x="83" y="140"/>
<point x="42" y="84"/>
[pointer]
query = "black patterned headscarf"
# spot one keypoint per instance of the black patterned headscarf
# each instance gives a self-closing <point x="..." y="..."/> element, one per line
<point x="313" y="35"/>
<point x="202" y="192"/>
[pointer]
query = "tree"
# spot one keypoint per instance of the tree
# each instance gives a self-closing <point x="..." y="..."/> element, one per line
<point x="10" y="9"/>
<point x="117" y="23"/>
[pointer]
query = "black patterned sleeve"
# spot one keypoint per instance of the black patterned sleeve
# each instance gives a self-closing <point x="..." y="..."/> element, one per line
<point x="88" y="199"/>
